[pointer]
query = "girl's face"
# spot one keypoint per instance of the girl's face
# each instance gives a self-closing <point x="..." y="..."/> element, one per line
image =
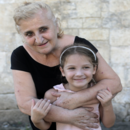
<point x="39" y="33"/>
<point x="78" y="71"/>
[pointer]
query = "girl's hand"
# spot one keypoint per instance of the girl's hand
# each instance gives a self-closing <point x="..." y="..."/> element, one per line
<point x="105" y="97"/>
<point x="39" y="110"/>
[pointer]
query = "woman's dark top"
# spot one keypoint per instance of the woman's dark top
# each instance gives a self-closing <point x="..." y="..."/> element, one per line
<point x="44" y="77"/>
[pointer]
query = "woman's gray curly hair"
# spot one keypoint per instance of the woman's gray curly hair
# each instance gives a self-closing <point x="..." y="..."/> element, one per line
<point x="28" y="10"/>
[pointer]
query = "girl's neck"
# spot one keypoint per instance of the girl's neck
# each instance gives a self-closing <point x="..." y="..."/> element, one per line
<point x="72" y="88"/>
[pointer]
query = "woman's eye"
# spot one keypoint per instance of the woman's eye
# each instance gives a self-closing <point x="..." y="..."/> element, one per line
<point x="43" y="29"/>
<point x="29" y="34"/>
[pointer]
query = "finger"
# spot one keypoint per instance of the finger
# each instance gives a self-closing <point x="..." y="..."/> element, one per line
<point x="42" y="103"/>
<point x="94" y="120"/>
<point x="88" y="126"/>
<point x="48" y="108"/>
<point x="56" y="94"/>
<point x="101" y="95"/>
<point x="103" y="92"/>
<point x="89" y="108"/>
<point x="38" y="103"/>
<point x="46" y="105"/>
<point x="93" y="125"/>
<point x="108" y="89"/>
<point x="93" y="115"/>
<point x="99" y="98"/>
<point x="108" y="92"/>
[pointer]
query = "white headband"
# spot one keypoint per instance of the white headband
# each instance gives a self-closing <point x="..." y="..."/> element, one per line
<point x="75" y="47"/>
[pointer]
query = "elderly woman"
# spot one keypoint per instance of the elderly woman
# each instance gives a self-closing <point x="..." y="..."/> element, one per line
<point x="35" y="67"/>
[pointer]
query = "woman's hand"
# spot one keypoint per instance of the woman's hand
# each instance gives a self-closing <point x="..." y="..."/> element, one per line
<point x="83" y="118"/>
<point x="105" y="97"/>
<point x="39" y="110"/>
<point x="63" y="100"/>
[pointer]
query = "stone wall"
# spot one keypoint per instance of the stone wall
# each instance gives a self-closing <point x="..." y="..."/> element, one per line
<point x="106" y="23"/>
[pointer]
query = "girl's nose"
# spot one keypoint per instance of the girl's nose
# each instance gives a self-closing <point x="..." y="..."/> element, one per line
<point x="79" y="72"/>
<point x="39" y="39"/>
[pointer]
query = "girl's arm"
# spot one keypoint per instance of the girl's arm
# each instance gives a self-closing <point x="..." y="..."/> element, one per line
<point x="106" y="109"/>
<point x="25" y="91"/>
<point x="38" y="112"/>
<point x="105" y="77"/>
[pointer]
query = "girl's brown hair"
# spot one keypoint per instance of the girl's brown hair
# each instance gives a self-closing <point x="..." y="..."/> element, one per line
<point x="76" y="49"/>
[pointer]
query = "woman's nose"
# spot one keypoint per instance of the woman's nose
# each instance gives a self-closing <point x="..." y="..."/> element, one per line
<point x="39" y="39"/>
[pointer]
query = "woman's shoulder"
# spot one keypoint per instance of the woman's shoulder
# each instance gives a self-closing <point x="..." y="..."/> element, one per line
<point x="18" y="50"/>
<point x="19" y="53"/>
<point x="74" y="39"/>
<point x="68" y="39"/>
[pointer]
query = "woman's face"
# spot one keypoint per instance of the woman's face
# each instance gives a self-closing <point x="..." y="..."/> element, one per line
<point x="39" y="33"/>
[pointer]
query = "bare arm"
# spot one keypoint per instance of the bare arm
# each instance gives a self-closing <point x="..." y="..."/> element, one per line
<point x="106" y="109"/>
<point x="25" y="92"/>
<point x="105" y="77"/>
<point x="38" y="112"/>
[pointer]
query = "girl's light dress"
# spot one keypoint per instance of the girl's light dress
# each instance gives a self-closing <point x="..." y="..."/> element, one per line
<point x="62" y="126"/>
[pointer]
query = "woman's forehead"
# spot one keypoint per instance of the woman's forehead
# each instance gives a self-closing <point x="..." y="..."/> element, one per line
<point x="37" y="21"/>
<point x="41" y="16"/>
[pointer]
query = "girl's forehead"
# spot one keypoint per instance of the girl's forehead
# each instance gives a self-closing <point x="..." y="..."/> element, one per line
<point x="78" y="55"/>
<point x="77" y="58"/>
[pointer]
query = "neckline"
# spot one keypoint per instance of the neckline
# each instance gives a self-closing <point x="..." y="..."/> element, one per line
<point x="38" y="62"/>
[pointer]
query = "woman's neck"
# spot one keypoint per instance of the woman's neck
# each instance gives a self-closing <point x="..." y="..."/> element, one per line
<point x="50" y="60"/>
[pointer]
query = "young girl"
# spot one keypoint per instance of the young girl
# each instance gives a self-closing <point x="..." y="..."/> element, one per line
<point x="78" y="64"/>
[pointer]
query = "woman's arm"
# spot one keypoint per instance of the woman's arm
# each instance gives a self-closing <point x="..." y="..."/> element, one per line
<point x="25" y="92"/>
<point x="105" y="77"/>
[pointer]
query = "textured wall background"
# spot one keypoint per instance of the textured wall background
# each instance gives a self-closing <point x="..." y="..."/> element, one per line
<point x="106" y="23"/>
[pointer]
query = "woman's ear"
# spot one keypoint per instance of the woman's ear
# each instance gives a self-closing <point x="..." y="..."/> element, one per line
<point x="62" y="71"/>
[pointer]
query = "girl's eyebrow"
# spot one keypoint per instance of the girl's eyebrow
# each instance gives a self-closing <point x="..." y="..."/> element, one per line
<point x="73" y="65"/>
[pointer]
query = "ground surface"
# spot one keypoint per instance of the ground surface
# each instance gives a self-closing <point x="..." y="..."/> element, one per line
<point x="117" y="126"/>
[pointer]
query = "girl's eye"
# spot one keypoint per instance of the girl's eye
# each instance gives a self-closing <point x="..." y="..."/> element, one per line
<point x="71" y="68"/>
<point x="86" y="67"/>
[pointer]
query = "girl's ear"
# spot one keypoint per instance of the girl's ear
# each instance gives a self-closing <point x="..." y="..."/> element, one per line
<point x="94" y="69"/>
<point x="62" y="71"/>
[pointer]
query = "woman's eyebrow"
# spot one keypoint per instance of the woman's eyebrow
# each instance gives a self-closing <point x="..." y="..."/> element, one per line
<point x="27" y="32"/>
<point x="45" y="26"/>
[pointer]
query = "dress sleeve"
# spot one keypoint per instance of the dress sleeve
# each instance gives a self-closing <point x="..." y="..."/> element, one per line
<point x="86" y="42"/>
<point x="19" y="60"/>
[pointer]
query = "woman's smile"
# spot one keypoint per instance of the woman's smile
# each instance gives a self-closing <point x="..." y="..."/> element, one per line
<point x="43" y="44"/>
